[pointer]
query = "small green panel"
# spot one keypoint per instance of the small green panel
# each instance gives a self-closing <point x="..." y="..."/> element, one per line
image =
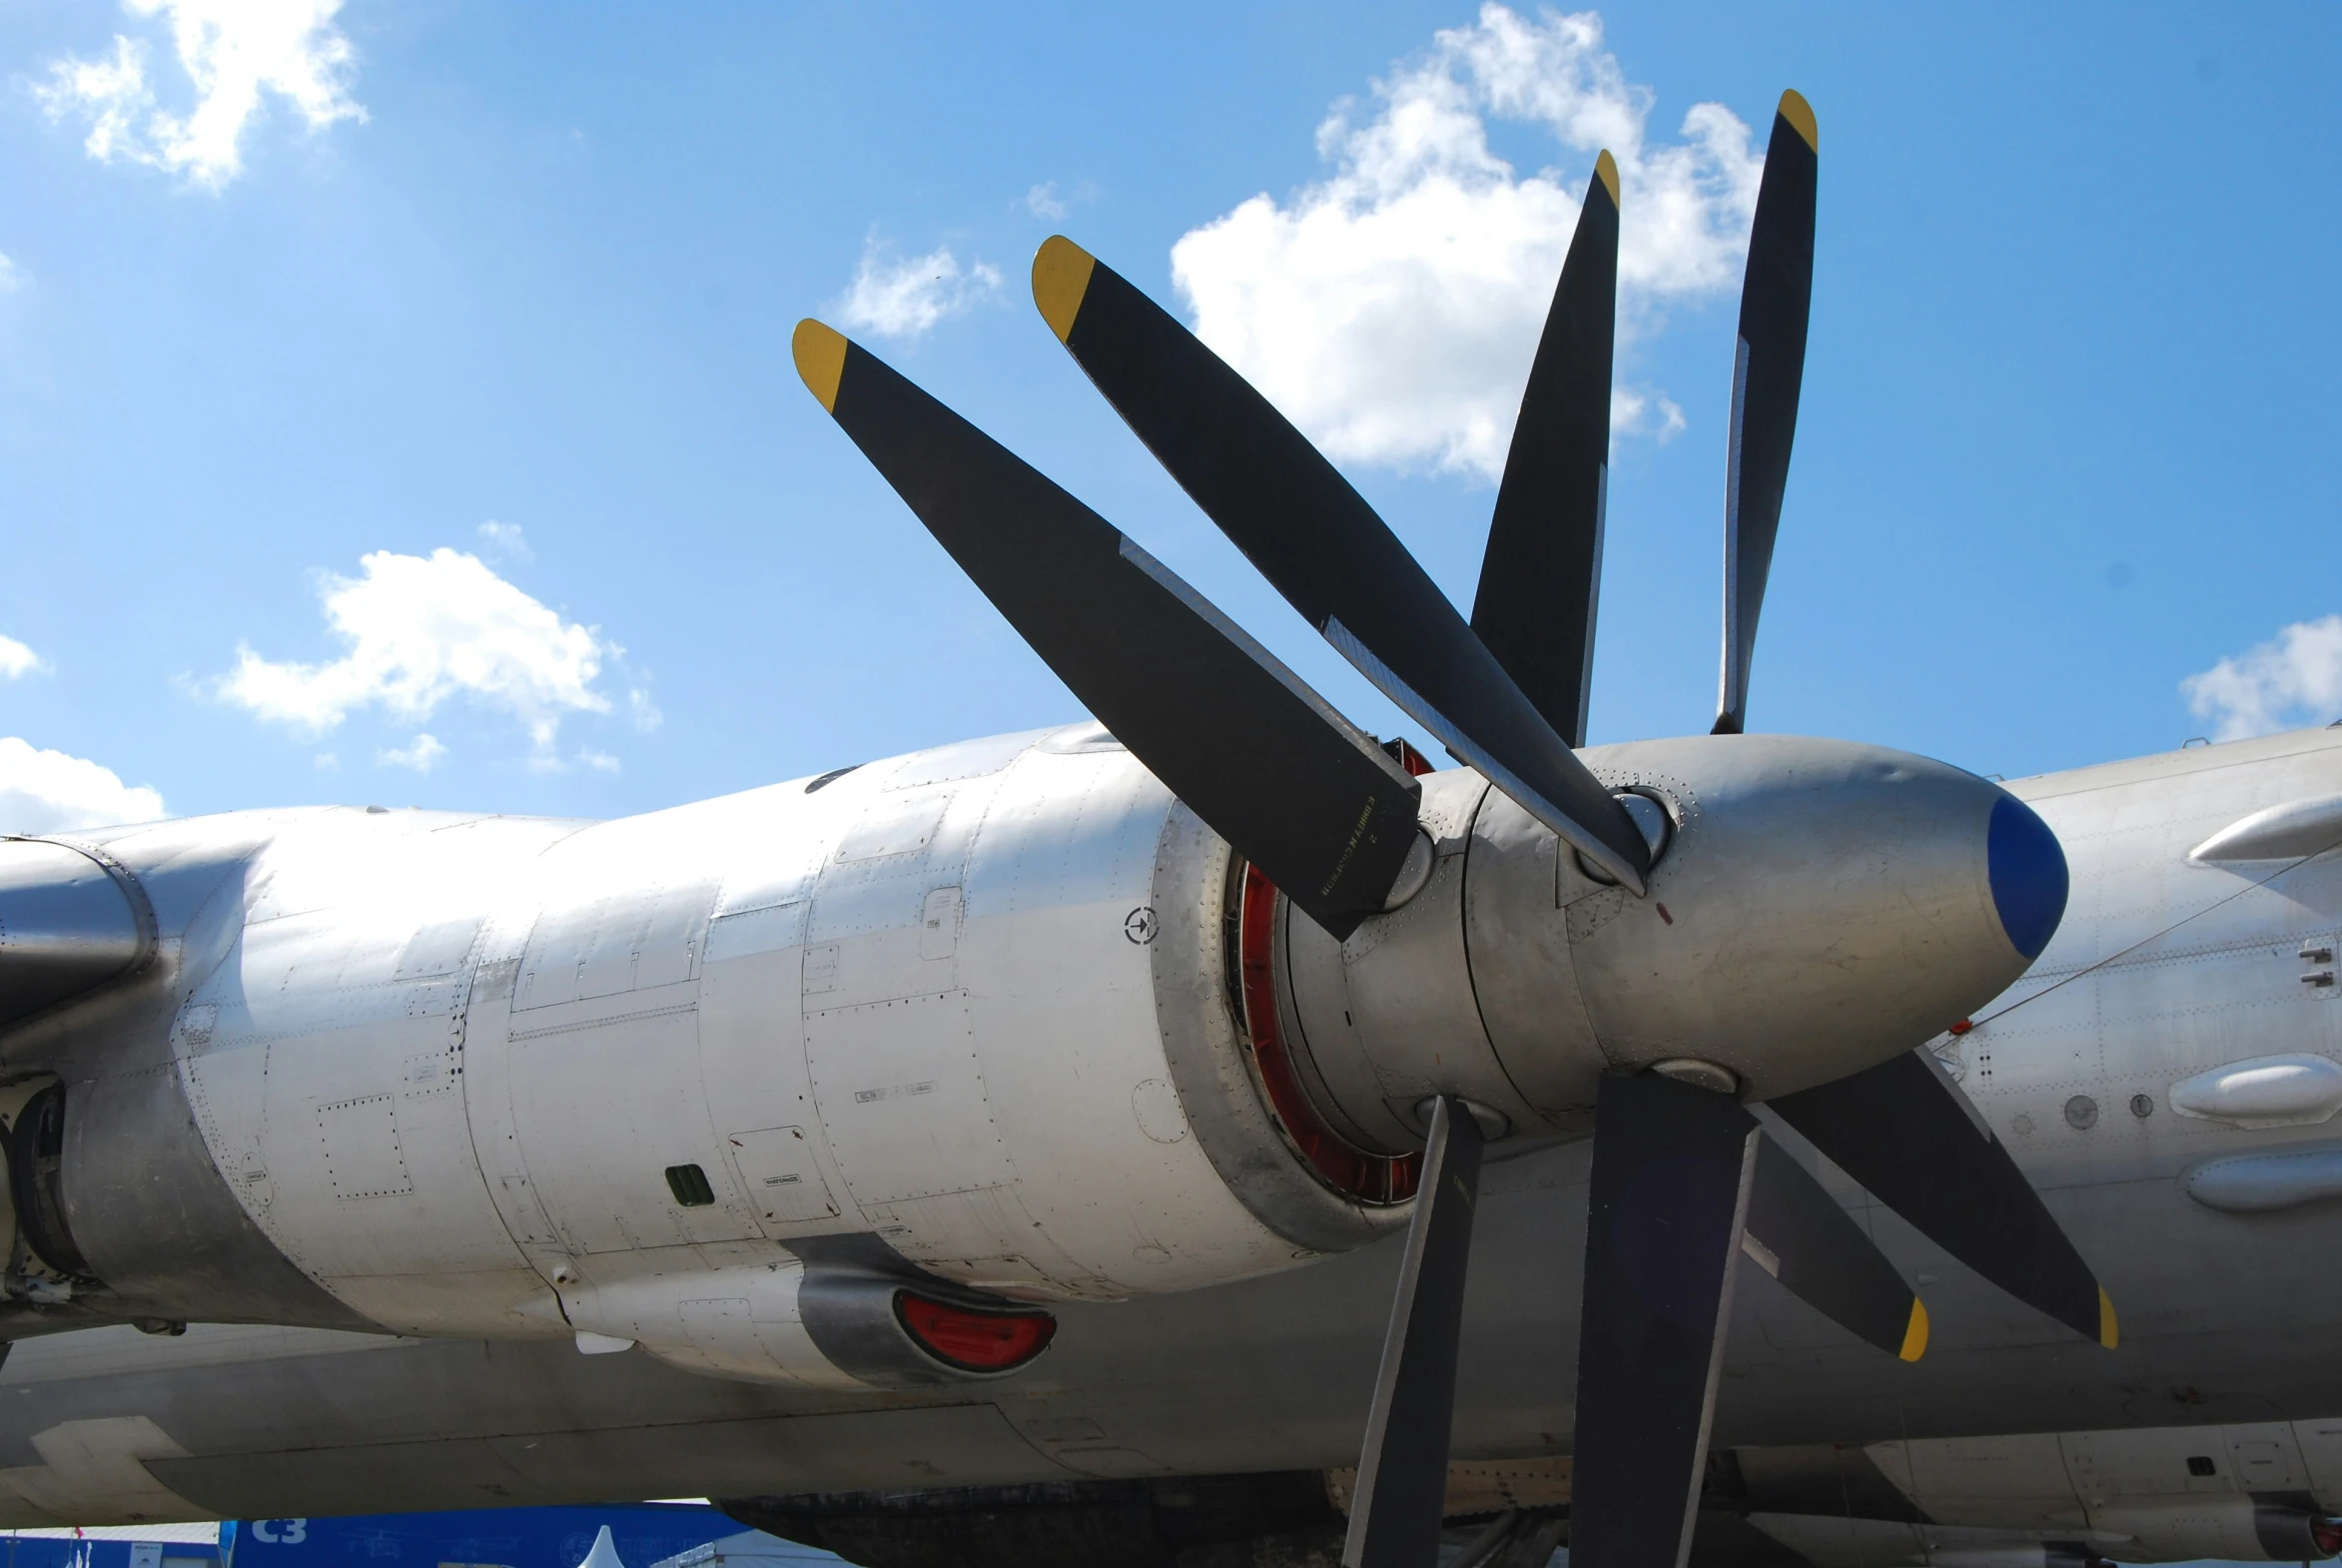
<point x="689" y="1185"/>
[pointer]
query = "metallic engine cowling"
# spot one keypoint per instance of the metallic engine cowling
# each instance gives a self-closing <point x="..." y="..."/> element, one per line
<point x="1818" y="906"/>
<point x="70" y="921"/>
<point x="1823" y="907"/>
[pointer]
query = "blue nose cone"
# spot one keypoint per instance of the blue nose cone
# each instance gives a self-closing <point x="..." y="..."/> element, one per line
<point x="2027" y="871"/>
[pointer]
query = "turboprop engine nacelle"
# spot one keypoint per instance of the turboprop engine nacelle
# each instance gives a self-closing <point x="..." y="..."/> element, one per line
<point x="991" y="1025"/>
<point x="1816" y="907"/>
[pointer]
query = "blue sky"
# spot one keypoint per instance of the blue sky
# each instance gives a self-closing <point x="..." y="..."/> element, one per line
<point x="2066" y="437"/>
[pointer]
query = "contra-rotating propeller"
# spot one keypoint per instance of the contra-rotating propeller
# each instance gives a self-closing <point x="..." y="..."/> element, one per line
<point x="1683" y="1182"/>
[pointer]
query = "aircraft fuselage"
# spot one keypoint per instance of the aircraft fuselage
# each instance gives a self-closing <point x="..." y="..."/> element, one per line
<point x="977" y="1018"/>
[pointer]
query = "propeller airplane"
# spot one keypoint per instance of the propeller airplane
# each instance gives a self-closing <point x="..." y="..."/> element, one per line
<point x="880" y="1136"/>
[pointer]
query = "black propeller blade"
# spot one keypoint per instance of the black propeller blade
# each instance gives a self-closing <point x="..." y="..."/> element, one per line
<point x="1907" y="1132"/>
<point x="1663" y="1138"/>
<point x="1799" y="1235"/>
<point x="1684" y="1183"/>
<point x="1768" y="371"/>
<point x="1403" y="1471"/>
<point x="1673" y="1165"/>
<point x="1541" y="578"/>
<point x="1681" y="1172"/>
<point x="1324" y="548"/>
<point x="1310" y="799"/>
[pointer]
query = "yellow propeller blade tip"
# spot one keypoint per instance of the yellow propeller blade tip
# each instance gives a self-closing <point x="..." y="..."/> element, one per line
<point x="1061" y="277"/>
<point x="1799" y="115"/>
<point x="1914" y="1337"/>
<point x="1606" y="170"/>
<point x="820" y="352"/>
<point x="2108" y="1334"/>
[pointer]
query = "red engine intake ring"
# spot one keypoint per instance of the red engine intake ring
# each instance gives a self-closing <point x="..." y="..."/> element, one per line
<point x="1340" y="1164"/>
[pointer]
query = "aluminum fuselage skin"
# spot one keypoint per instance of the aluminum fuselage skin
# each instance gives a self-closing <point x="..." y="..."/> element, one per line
<point x="1203" y="1328"/>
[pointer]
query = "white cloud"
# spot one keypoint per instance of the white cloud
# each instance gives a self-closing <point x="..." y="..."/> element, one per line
<point x="12" y="274"/>
<point x="18" y="661"/>
<point x="504" y="541"/>
<point x="1048" y="202"/>
<point x="1391" y="310"/>
<point x="422" y="631"/>
<point x="648" y="716"/>
<point x="905" y="298"/>
<point x="424" y="754"/>
<point x="50" y="792"/>
<point x="600" y="761"/>
<point x="2291" y="682"/>
<point x="231" y="51"/>
<point x="1652" y="414"/>
<point x="110" y="94"/>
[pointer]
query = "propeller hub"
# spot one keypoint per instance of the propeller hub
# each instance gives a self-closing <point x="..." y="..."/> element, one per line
<point x="1818" y="906"/>
<point x="1821" y="906"/>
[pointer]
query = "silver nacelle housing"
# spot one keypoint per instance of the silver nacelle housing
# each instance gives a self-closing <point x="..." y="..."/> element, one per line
<point x="995" y="1009"/>
<point x="1818" y="906"/>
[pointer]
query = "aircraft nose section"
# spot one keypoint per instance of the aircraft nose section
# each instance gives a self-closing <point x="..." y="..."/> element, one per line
<point x="2026" y="868"/>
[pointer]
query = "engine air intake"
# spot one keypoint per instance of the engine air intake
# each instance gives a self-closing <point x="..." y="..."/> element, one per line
<point x="973" y="1340"/>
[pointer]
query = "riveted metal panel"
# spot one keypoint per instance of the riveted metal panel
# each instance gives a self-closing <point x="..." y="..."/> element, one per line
<point x="901" y="1095"/>
<point x="602" y="1109"/>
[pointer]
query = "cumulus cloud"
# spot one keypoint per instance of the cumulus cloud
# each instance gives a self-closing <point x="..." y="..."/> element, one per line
<point x="18" y="661"/>
<point x="230" y="53"/>
<point x="905" y="296"/>
<point x="1046" y="201"/>
<point x="648" y="716"/>
<point x="1392" y="308"/>
<point x="51" y="792"/>
<point x="12" y="274"/>
<point x="1635" y="412"/>
<point x="425" y="753"/>
<point x="2291" y="682"/>
<point x="422" y="631"/>
<point x="504" y="541"/>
